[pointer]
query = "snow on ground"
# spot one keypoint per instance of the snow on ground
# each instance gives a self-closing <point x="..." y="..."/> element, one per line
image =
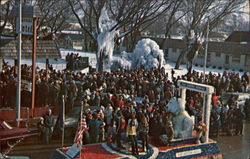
<point x="60" y="64"/>
<point x="182" y="71"/>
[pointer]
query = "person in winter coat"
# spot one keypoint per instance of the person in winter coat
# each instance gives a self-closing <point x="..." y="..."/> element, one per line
<point x="108" y="115"/>
<point x="95" y="129"/>
<point x="44" y="92"/>
<point x="131" y="133"/>
<point x="144" y="129"/>
<point x="239" y="117"/>
<point x="111" y="132"/>
<point x="120" y="127"/>
<point x="48" y="123"/>
<point x="72" y="93"/>
<point x="214" y="99"/>
<point x="168" y="94"/>
<point x="40" y="127"/>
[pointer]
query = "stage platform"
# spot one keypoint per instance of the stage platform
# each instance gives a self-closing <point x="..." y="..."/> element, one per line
<point x="180" y="149"/>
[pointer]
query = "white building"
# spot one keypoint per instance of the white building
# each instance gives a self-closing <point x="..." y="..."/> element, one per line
<point x="233" y="53"/>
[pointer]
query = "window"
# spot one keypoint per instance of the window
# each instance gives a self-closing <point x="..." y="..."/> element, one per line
<point x="208" y="57"/>
<point x="166" y="54"/>
<point x="217" y="54"/>
<point x="201" y="55"/>
<point x="174" y="49"/>
<point x="236" y="58"/>
<point x="227" y="59"/>
<point x="248" y="61"/>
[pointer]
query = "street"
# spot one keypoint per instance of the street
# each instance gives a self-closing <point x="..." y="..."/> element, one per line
<point x="232" y="147"/>
<point x="236" y="147"/>
<point x="37" y="151"/>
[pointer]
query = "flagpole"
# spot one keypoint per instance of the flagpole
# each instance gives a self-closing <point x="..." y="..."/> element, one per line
<point x="81" y="134"/>
<point x="63" y="118"/>
<point x="19" y="56"/>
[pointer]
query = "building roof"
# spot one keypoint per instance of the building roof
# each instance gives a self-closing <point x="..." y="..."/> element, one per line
<point x="239" y="36"/>
<point x="73" y="37"/>
<point x="45" y="49"/>
<point x="213" y="34"/>
<point x="221" y="47"/>
<point x="170" y="43"/>
<point x="229" y="47"/>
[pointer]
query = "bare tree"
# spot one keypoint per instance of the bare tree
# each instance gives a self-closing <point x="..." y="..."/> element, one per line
<point x="55" y="16"/>
<point x="172" y="17"/>
<point x="5" y="10"/>
<point x="194" y="23"/>
<point x="238" y="21"/>
<point x="123" y="16"/>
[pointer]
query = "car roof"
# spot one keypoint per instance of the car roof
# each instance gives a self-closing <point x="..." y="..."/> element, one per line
<point x="236" y="93"/>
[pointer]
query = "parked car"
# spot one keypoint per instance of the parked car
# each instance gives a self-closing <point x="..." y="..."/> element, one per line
<point x="10" y="135"/>
<point x="239" y="97"/>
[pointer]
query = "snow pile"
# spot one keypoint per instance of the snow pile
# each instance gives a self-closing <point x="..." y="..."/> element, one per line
<point x="147" y="55"/>
<point x="124" y="61"/>
<point x="105" y="39"/>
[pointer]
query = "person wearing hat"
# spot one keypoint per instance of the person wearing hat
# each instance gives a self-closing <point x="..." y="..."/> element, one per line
<point x="48" y="123"/>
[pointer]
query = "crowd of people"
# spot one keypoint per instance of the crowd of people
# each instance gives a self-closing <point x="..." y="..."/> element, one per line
<point x="132" y="102"/>
<point x="75" y="62"/>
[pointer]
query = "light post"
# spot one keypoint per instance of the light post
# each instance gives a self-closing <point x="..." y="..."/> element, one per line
<point x="205" y="60"/>
<point x="18" y="95"/>
<point x="26" y="19"/>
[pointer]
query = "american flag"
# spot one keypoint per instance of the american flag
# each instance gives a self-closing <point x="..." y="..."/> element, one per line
<point x="82" y="126"/>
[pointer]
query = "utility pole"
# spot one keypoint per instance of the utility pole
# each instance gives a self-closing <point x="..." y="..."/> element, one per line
<point x="18" y="91"/>
<point x="205" y="60"/>
<point x="33" y="67"/>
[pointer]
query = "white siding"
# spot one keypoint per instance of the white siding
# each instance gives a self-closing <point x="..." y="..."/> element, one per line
<point x="173" y="56"/>
<point x="218" y="61"/>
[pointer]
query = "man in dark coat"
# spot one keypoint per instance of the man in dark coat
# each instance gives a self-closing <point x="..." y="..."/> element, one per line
<point x="48" y="123"/>
<point x="95" y="128"/>
<point x="120" y="127"/>
<point x="239" y="117"/>
<point x="56" y="89"/>
<point x="72" y="94"/>
<point x="172" y="73"/>
<point x="44" y="92"/>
